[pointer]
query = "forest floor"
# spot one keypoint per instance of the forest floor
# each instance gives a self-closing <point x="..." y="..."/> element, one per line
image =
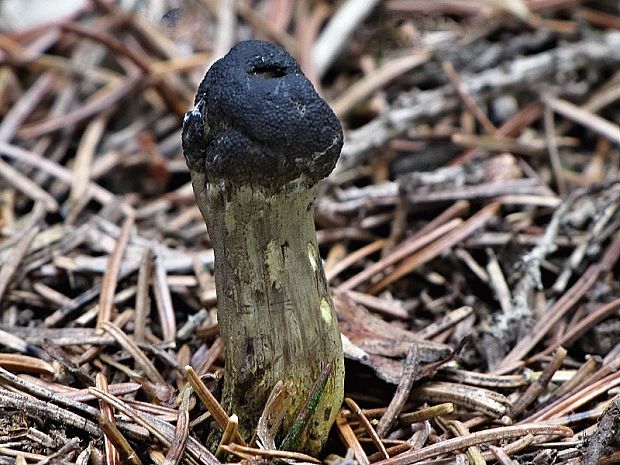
<point x="470" y="231"/>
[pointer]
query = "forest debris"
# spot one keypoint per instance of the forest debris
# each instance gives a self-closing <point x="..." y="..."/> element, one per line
<point x="493" y="434"/>
<point x="410" y="367"/>
<point x="600" y="314"/>
<point x="482" y="379"/>
<point x="474" y="454"/>
<point x="245" y="452"/>
<point x="438" y="246"/>
<point x="177" y="447"/>
<point x="21" y="363"/>
<point x="163" y="299"/>
<point x="387" y="308"/>
<point x="398" y="255"/>
<point x="349" y="438"/>
<point x="590" y="120"/>
<point x="134" y="351"/>
<point x="377" y="79"/>
<point x="523" y="71"/>
<point x="517" y="319"/>
<point x="538" y="386"/>
<point x="606" y="428"/>
<point x="270" y="421"/>
<point x="370" y="430"/>
<point x="120" y="443"/>
<point x="110" y="277"/>
<point x="220" y="416"/>
<point x="142" y="295"/>
<point x="27" y="403"/>
<point x="470" y="397"/>
<point x="375" y="336"/>
<point x="447" y="107"/>
<point x="10" y="266"/>
<point x="337" y="31"/>
<point x="107" y="416"/>
<point x="163" y="431"/>
<point x="555" y="312"/>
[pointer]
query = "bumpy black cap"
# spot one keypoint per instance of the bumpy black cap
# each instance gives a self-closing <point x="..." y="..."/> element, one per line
<point x="258" y="120"/>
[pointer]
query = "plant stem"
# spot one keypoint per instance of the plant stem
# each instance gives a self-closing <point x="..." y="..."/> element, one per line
<point x="275" y="312"/>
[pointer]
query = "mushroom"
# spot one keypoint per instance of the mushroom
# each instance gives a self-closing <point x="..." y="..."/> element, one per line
<point x="257" y="141"/>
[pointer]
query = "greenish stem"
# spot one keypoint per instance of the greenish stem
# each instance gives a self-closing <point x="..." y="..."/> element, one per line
<point x="275" y="313"/>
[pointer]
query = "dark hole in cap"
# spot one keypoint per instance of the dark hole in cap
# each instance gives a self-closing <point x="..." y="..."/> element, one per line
<point x="268" y="71"/>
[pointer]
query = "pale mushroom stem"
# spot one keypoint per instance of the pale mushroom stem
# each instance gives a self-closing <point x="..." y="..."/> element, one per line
<point x="274" y="309"/>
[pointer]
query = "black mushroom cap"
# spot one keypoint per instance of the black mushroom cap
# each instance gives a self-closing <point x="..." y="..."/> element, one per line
<point x="258" y="120"/>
